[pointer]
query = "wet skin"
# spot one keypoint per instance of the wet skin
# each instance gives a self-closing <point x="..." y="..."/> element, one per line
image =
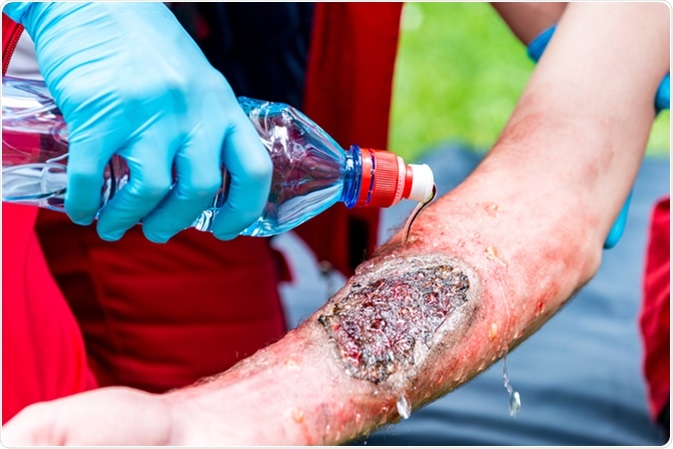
<point x="415" y="322"/>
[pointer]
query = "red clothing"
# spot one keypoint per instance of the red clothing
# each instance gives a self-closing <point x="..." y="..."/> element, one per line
<point x="348" y="93"/>
<point x="11" y="31"/>
<point x="161" y="316"/>
<point x="655" y="322"/>
<point x="43" y="354"/>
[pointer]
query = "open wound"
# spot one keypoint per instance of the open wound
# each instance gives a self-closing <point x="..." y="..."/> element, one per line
<point x="388" y="317"/>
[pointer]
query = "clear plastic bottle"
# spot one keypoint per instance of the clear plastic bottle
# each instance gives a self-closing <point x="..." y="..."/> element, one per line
<point x="311" y="172"/>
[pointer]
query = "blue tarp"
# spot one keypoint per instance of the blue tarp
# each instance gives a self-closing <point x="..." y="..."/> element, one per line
<point x="580" y="376"/>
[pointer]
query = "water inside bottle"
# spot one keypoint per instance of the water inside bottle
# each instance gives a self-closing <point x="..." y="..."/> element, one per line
<point x="311" y="172"/>
<point x="308" y="167"/>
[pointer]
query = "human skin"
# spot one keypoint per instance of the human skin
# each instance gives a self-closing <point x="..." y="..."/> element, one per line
<point x="527" y="20"/>
<point x="521" y="235"/>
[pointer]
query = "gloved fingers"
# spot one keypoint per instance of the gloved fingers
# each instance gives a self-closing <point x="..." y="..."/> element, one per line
<point x="199" y="178"/>
<point x="663" y="98"/>
<point x="85" y="180"/>
<point x="150" y="181"/>
<point x="249" y="169"/>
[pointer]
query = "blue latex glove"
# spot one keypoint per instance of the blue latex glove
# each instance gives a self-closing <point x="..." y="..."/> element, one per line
<point x="130" y="81"/>
<point x="661" y="101"/>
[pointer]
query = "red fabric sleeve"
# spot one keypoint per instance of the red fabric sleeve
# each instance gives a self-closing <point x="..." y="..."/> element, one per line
<point x="43" y="355"/>
<point x="655" y="316"/>
<point x="11" y="31"/>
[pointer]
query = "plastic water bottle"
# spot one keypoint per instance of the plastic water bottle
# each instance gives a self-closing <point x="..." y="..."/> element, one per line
<point x="311" y="172"/>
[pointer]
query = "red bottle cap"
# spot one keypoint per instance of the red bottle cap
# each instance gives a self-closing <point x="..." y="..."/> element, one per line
<point x="383" y="178"/>
<point x="386" y="179"/>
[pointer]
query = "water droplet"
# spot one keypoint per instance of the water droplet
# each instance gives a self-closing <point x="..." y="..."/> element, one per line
<point x="491" y="209"/>
<point x="403" y="407"/>
<point x="297" y="415"/>
<point x="514" y="403"/>
<point x="514" y="396"/>
<point x="491" y="253"/>
<point x="329" y="275"/>
<point x="493" y="332"/>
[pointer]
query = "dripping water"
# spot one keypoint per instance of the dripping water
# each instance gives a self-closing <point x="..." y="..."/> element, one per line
<point x="403" y="407"/>
<point x="329" y="275"/>
<point x="514" y="396"/>
<point x="416" y="212"/>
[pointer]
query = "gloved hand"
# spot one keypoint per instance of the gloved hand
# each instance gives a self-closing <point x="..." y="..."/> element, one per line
<point x="130" y="81"/>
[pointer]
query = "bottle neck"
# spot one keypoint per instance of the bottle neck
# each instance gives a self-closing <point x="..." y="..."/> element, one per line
<point x="352" y="176"/>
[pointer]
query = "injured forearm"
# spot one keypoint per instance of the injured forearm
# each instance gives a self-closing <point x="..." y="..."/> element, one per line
<point x="412" y="324"/>
<point x="484" y="266"/>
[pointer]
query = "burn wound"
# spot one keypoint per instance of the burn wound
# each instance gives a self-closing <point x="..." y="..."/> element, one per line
<point x="385" y="320"/>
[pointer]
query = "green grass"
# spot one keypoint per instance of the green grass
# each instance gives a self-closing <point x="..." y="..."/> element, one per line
<point x="458" y="76"/>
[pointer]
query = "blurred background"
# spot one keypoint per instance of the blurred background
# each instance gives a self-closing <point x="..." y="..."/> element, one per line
<point x="459" y="73"/>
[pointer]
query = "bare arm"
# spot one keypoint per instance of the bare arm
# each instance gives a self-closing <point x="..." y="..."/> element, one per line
<point x="486" y="265"/>
<point x="527" y="20"/>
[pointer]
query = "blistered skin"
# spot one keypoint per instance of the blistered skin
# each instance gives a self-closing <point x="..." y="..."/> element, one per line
<point x="389" y="319"/>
